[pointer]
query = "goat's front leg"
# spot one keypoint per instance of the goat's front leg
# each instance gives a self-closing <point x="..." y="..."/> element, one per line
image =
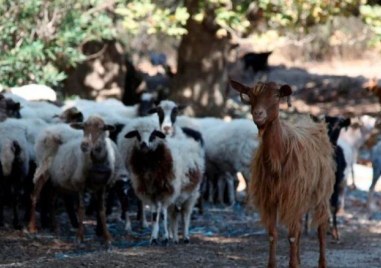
<point x="293" y="238"/>
<point x="39" y="183"/>
<point x="81" y="215"/>
<point x="155" y="227"/>
<point x="273" y="237"/>
<point x="100" y="197"/>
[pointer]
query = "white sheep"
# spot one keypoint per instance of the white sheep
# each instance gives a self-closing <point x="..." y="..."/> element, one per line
<point x="76" y="164"/>
<point x="353" y="138"/>
<point x="35" y="92"/>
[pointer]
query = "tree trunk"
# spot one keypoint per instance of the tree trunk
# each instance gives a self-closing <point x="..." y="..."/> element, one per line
<point x="201" y="78"/>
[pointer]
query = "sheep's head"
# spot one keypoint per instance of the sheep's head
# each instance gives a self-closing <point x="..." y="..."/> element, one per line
<point x="13" y="108"/>
<point x="94" y="134"/>
<point x="167" y="112"/>
<point x="71" y="115"/>
<point x="264" y="99"/>
<point x="146" y="135"/>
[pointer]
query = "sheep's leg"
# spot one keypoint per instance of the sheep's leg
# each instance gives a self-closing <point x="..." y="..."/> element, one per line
<point x="173" y="223"/>
<point x="100" y="197"/>
<point x="211" y="190"/>
<point x="186" y="214"/>
<point x="293" y="237"/>
<point x="1" y="204"/>
<point x="39" y="183"/>
<point x="221" y="182"/>
<point x="376" y="175"/>
<point x="353" y="185"/>
<point x="231" y="189"/>
<point x="15" y="207"/>
<point x="69" y="206"/>
<point x="123" y="199"/>
<point x="321" y="235"/>
<point x="273" y="238"/>
<point x="165" y="225"/>
<point x="143" y="215"/>
<point x="81" y="215"/>
<point x="155" y="227"/>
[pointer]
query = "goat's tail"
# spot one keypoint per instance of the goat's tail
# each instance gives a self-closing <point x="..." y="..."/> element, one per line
<point x="10" y="150"/>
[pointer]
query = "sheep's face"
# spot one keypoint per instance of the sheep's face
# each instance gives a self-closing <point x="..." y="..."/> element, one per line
<point x="167" y="112"/>
<point x="264" y="99"/>
<point x="94" y="134"/>
<point x="334" y="125"/>
<point x="146" y="140"/>
<point x="13" y="109"/>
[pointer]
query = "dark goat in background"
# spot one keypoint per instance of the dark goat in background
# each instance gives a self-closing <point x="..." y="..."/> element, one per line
<point x="256" y="61"/>
<point x="334" y="125"/>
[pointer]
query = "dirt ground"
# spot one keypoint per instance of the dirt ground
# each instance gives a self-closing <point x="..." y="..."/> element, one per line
<point x="222" y="237"/>
<point x="225" y="236"/>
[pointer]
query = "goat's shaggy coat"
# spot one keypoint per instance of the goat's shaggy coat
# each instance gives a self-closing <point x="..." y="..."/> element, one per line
<point x="291" y="170"/>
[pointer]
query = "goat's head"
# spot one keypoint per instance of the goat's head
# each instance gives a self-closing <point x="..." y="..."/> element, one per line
<point x="146" y="134"/>
<point x="94" y="134"/>
<point x="334" y="125"/>
<point x="167" y="112"/>
<point x="264" y="99"/>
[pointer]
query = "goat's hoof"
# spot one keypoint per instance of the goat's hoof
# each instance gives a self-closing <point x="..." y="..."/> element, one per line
<point x="186" y="240"/>
<point x="154" y="242"/>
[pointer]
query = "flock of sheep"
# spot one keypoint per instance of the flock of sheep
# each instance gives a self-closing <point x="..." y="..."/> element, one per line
<point x="174" y="161"/>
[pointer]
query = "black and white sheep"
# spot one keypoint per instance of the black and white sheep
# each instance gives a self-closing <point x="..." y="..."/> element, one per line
<point x="165" y="172"/>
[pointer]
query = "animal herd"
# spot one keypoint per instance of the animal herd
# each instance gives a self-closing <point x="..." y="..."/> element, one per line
<point x="173" y="162"/>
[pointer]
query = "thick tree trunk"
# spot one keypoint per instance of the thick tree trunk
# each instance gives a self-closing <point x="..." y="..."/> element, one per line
<point x="201" y="77"/>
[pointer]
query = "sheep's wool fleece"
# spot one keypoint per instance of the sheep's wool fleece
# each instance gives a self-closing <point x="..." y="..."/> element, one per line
<point x="297" y="177"/>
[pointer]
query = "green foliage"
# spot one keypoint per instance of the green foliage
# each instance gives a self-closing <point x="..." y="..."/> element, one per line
<point x="372" y="16"/>
<point x="40" y="39"/>
<point x="151" y="18"/>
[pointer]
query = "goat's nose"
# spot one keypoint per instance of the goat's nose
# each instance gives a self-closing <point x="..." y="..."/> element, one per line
<point x="258" y="113"/>
<point x="84" y="146"/>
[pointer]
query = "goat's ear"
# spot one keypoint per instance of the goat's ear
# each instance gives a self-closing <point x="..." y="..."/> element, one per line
<point x="109" y="128"/>
<point x="131" y="134"/>
<point x="285" y="91"/>
<point x="239" y="87"/>
<point x="152" y="110"/>
<point x="77" y="125"/>
<point x="159" y="134"/>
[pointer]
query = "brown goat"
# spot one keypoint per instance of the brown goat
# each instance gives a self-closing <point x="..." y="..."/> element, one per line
<point x="293" y="171"/>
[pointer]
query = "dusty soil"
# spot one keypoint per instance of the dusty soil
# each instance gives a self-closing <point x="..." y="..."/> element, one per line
<point x="222" y="237"/>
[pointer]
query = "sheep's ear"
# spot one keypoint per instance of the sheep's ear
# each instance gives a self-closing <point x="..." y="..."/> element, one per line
<point x="285" y="91"/>
<point x="131" y="134"/>
<point x="109" y="128"/>
<point x="77" y="125"/>
<point x="152" y="110"/>
<point x="78" y="116"/>
<point x="56" y="116"/>
<point x="181" y="107"/>
<point x="346" y="123"/>
<point x="159" y="134"/>
<point x="239" y="87"/>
